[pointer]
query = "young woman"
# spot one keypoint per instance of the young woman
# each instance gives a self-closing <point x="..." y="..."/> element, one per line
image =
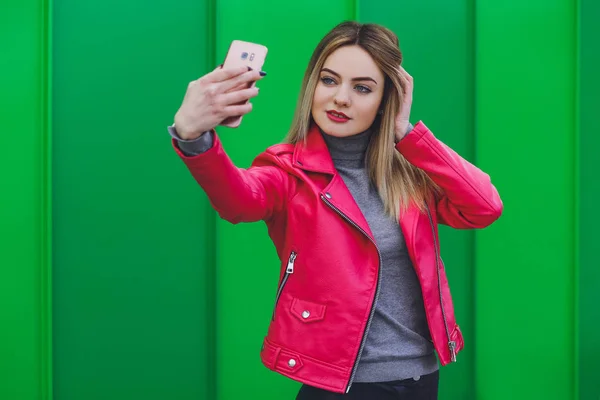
<point x="352" y="200"/>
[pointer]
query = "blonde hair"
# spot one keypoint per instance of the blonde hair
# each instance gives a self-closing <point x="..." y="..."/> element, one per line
<point x="398" y="182"/>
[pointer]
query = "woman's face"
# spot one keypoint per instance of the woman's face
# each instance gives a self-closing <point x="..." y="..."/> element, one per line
<point x="349" y="92"/>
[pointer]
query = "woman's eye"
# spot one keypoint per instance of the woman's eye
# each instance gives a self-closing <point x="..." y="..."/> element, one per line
<point x="360" y="88"/>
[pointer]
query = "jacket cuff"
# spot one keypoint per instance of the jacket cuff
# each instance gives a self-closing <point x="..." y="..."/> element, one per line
<point x="408" y="130"/>
<point x="192" y="147"/>
<point x="413" y="136"/>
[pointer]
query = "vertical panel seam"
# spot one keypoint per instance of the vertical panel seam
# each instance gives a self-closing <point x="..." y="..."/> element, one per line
<point x="577" y="200"/>
<point x="45" y="143"/>
<point x="473" y="130"/>
<point x="211" y="259"/>
<point x="45" y="213"/>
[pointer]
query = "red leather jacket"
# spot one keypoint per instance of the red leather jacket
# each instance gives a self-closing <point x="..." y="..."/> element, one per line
<point x="329" y="259"/>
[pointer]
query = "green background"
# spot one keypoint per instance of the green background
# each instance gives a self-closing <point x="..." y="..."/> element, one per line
<point x="116" y="278"/>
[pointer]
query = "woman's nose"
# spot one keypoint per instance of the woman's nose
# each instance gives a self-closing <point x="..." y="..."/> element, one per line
<point x="341" y="98"/>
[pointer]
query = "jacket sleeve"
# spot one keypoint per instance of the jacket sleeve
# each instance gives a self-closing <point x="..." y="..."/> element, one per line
<point x="469" y="199"/>
<point x="238" y="194"/>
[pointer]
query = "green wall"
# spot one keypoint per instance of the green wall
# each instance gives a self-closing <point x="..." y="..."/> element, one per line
<point x="132" y="236"/>
<point x="153" y="297"/>
<point x="525" y="276"/>
<point x="588" y="166"/>
<point x="25" y="232"/>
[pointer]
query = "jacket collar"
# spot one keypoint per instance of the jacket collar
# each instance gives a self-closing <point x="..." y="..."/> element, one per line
<point x="314" y="155"/>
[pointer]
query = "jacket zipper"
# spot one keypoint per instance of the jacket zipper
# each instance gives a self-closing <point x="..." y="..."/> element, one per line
<point x="451" y="343"/>
<point x="288" y="271"/>
<point x="372" y="312"/>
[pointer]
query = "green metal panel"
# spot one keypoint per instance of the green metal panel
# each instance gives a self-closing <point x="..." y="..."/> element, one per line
<point x="132" y="242"/>
<point x="438" y="53"/>
<point x="589" y="213"/>
<point x="525" y="101"/>
<point x="248" y="267"/>
<point x="25" y="240"/>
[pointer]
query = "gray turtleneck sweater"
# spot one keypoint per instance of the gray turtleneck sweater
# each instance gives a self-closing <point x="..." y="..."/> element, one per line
<point x="398" y="343"/>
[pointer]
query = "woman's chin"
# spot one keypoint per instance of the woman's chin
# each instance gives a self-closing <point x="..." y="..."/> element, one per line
<point x="337" y="129"/>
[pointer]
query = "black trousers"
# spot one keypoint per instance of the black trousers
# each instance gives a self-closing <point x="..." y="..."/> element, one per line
<point x="425" y="388"/>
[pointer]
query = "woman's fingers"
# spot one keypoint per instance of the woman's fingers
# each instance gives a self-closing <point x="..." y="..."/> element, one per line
<point x="238" y="110"/>
<point x="224" y="74"/>
<point x="239" y="96"/>
<point x="239" y="80"/>
<point x="407" y="80"/>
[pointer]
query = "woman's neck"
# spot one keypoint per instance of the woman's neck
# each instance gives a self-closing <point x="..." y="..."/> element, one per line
<point x="349" y="148"/>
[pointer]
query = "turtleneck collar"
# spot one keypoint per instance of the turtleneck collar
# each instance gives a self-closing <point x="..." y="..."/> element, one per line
<point x="348" y="151"/>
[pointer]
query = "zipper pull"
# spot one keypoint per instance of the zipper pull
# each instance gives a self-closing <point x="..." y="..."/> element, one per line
<point x="452" y="346"/>
<point x="290" y="266"/>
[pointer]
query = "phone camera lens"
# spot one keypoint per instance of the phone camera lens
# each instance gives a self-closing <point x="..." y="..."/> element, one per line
<point x="244" y="55"/>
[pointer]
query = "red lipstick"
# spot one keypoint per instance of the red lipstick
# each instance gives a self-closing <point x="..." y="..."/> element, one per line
<point x="337" y="116"/>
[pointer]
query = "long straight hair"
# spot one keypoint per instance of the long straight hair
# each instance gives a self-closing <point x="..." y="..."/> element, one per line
<point x="398" y="182"/>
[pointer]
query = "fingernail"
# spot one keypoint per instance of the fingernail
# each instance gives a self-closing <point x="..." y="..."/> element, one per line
<point x="263" y="73"/>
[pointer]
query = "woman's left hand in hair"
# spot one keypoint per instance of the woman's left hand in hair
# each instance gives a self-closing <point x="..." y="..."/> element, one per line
<point x="403" y="117"/>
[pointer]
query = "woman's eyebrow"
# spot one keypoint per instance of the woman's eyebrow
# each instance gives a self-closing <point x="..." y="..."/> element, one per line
<point x="360" y="78"/>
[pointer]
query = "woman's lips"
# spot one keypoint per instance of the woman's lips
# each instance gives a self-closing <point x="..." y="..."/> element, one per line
<point x="335" y="118"/>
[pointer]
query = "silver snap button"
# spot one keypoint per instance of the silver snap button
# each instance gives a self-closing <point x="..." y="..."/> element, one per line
<point x="328" y="195"/>
<point x="292" y="363"/>
<point x="416" y="378"/>
<point x="306" y="314"/>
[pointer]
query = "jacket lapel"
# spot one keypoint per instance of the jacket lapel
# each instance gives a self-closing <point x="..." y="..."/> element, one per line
<point x="314" y="156"/>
